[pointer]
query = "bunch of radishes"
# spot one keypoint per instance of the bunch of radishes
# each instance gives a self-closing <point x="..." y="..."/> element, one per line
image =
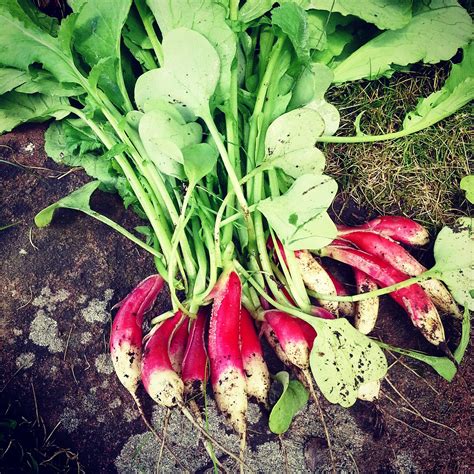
<point x="174" y="360"/>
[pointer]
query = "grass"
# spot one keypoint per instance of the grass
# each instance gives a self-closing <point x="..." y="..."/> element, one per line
<point x="417" y="176"/>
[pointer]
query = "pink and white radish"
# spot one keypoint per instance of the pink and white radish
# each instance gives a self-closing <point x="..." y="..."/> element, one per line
<point x="346" y="308"/>
<point x="399" y="258"/>
<point x="397" y="228"/>
<point x="178" y="343"/>
<point x="256" y="370"/>
<point x="227" y="370"/>
<point x="126" y="334"/>
<point x="413" y="298"/>
<point x="366" y="311"/>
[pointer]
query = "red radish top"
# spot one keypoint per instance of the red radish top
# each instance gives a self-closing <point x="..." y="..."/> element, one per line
<point x="127" y="325"/>
<point x="155" y="354"/>
<point x="340" y="288"/>
<point x="224" y="344"/>
<point x="286" y="328"/>
<point x="195" y="357"/>
<point x="178" y="343"/>
<point x="398" y="228"/>
<point x="249" y="341"/>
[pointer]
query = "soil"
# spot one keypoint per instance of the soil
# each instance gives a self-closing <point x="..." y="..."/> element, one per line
<point x="57" y="288"/>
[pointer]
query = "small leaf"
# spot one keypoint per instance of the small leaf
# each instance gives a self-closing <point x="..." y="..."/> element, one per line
<point x="465" y="336"/>
<point x="253" y="9"/>
<point x="289" y="143"/>
<point x="454" y="256"/>
<point x="467" y="184"/>
<point x="78" y="200"/>
<point x="199" y="160"/>
<point x="343" y="359"/>
<point x="189" y="76"/>
<point x="292" y="400"/>
<point x="299" y="216"/>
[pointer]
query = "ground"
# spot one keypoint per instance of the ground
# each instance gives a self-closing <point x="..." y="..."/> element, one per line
<point x="58" y="286"/>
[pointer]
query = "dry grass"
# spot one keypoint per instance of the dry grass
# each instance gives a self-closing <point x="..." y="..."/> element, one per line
<point x="418" y="175"/>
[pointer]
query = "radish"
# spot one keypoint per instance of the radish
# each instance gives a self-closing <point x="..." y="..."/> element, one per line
<point x="161" y="382"/>
<point x="346" y="308"/>
<point x="272" y="340"/>
<point x="369" y="391"/>
<point x="195" y="369"/>
<point x="227" y="370"/>
<point x="126" y="334"/>
<point x="256" y="371"/>
<point x="366" y="311"/>
<point x="316" y="278"/>
<point x="413" y="299"/>
<point x="399" y="258"/>
<point x="290" y="336"/>
<point x="398" y="228"/>
<point x="178" y="344"/>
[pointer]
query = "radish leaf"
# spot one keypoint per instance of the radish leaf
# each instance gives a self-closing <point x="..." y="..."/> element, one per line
<point x="289" y="143"/>
<point x="465" y="336"/>
<point x="208" y="18"/>
<point x="467" y="184"/>
<point x="342" y="359"/>
<point x="434" y="34"/>
<point x="299" y="216"/>
<point x="78" y="200"/>
<point x="189" y="76"/>
<point x="385" y="14"/>
<point x="199" y="160"/>
<point x="454" y="256"/>
<point x="291" y="401"/>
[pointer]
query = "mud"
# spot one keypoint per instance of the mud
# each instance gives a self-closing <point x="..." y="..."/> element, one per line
<point x="57" y="287"/>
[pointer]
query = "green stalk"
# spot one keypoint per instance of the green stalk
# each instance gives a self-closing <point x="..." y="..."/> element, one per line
<point x="150" y="31"/>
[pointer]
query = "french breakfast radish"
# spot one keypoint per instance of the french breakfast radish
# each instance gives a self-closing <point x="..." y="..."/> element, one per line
<point x="399" y="258"/>
<point x="366" y="311"/>
<point x="316" y="278"/>
<point x="178" y="343"/>
<point x="256" y="370"/>
<point x="397" y="228"/>
<point x="195" y="370"/>
<point x="161" y="382"/>
<point x="227" y="370"/>
<point x="346" y="308"/>
<point x="126" y="334"/>
<point x="413" y="298"/>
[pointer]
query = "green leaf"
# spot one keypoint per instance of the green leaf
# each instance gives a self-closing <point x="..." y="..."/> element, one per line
<point x="207" y="17"/>
<point x="467" y="184"/>
<point x="16" y="108"/>
<point x="97" y="36"/>
<point x="454" y="256"/>
<point x="11" y="78"/>
<point x="189" y="76"/>
<point x="289" y="143"/>
<point x="48" y="23"/>
<point x="78" y="200"/>
<point x="43" y="82"/>
<point x="24" y="43"/>
<point x="457" y="91"/>
<point x="253" y="9"/>
<point x="335" y="44"/>
<point x="343" y="359"/>
<point x="199" y="160"/>
<point x="299" y="216"/>
<point x="385" y="14"/>
<point x="164" y="135"/>
<point x="292" y="20"/>
<point x="442" y="365"/>
<point x="465" y="337"/>
<point x="434" y="34"/>
<point x="291" y="401"/>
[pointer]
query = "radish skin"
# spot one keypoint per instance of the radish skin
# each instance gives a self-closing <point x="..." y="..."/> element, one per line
<point x="346" y="308"/>
<point x="177" y="345"/>
<point x="366" y="311"/>
<point x="256" y="370"/>
<point x="397" y="228"/>
<point x="413" y="299"/>
<point x="227" y="370"/>
<point x="399" y="258"/>
<point x="161" y="382"/>
<point x="369" y="391"/>
<point x="195" y="362"/>
<point x="316" y="278"/>
<point x="126" y="334"/>
<point x="290" y="336"/>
